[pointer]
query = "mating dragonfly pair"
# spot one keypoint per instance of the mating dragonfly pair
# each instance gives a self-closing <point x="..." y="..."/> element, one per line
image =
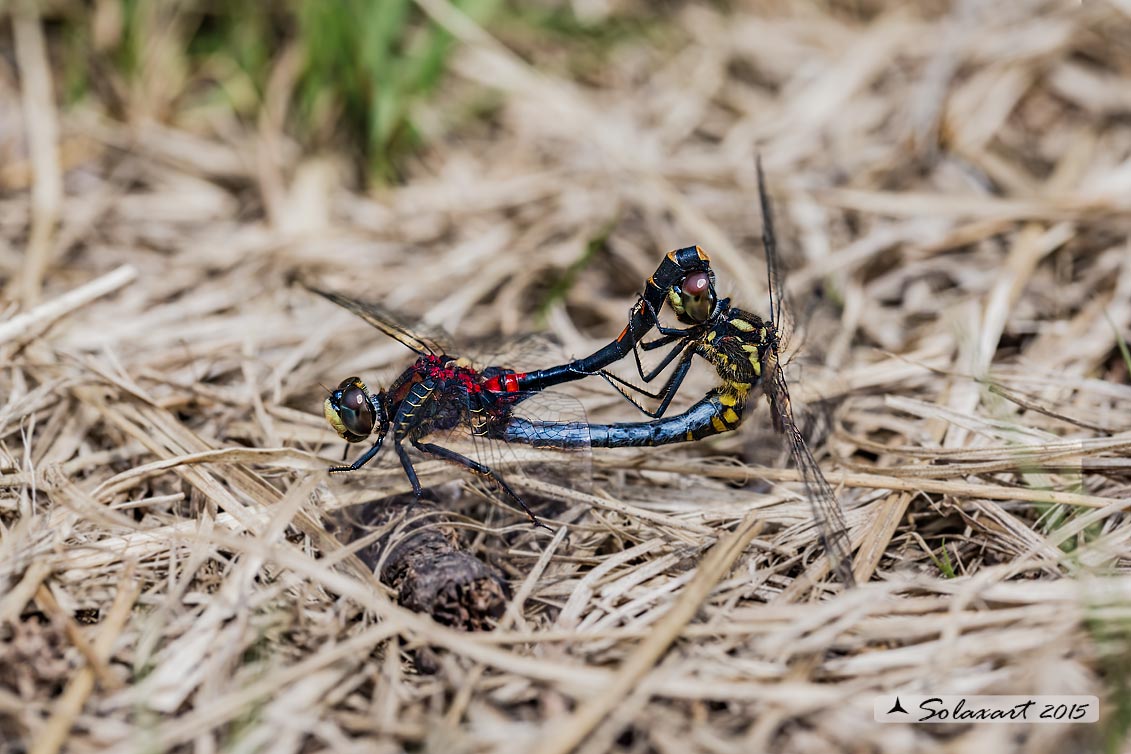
<point x="442" y="392"/>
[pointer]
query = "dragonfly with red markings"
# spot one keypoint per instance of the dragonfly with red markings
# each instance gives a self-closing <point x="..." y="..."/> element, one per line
<point x="441" y="392"/>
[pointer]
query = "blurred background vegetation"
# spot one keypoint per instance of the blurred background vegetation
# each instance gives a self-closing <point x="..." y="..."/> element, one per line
<point x="355" y="76"/>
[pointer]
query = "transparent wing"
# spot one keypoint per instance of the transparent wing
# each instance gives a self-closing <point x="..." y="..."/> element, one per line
<point x="826" y="510"/>
<point x="523" y="476"/>
<point x="827" y="513"/>
<point x="781" y="309"/>
<point x="554" y="450"/>
<point x="386" y="322"/>
<point x="524" y="352"/>
<point x="770" y="245"/>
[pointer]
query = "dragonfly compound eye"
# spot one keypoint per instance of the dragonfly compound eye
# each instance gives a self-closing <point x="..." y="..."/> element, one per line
<point x="698" y="296"/>
<point x="349" y="411"/>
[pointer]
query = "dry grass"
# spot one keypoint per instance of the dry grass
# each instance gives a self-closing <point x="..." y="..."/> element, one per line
<point x="957" y="181"/>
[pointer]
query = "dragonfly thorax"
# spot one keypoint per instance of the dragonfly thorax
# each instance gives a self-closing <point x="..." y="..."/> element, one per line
<point x="448" y="371"/>
<point x="736" y="345"/>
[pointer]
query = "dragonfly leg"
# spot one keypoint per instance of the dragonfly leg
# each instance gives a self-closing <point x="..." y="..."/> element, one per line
<point x="478" y="468"/>
<point x="664" y="394"/>
<point x="669" y="335"/>
<point x="652" y="345"/>
<point x="409" y="471"/>
<point x="673" y="332"/>
<point x="365" y="457"/>
<point x="668" y="358"/>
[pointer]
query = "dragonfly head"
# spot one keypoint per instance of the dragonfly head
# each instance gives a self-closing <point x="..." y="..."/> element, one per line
<point x="693" y="299"/>
<point x="353" y="411"/>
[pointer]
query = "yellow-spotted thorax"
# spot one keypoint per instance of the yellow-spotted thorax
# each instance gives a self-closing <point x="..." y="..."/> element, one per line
<point x="738" y="344"/>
